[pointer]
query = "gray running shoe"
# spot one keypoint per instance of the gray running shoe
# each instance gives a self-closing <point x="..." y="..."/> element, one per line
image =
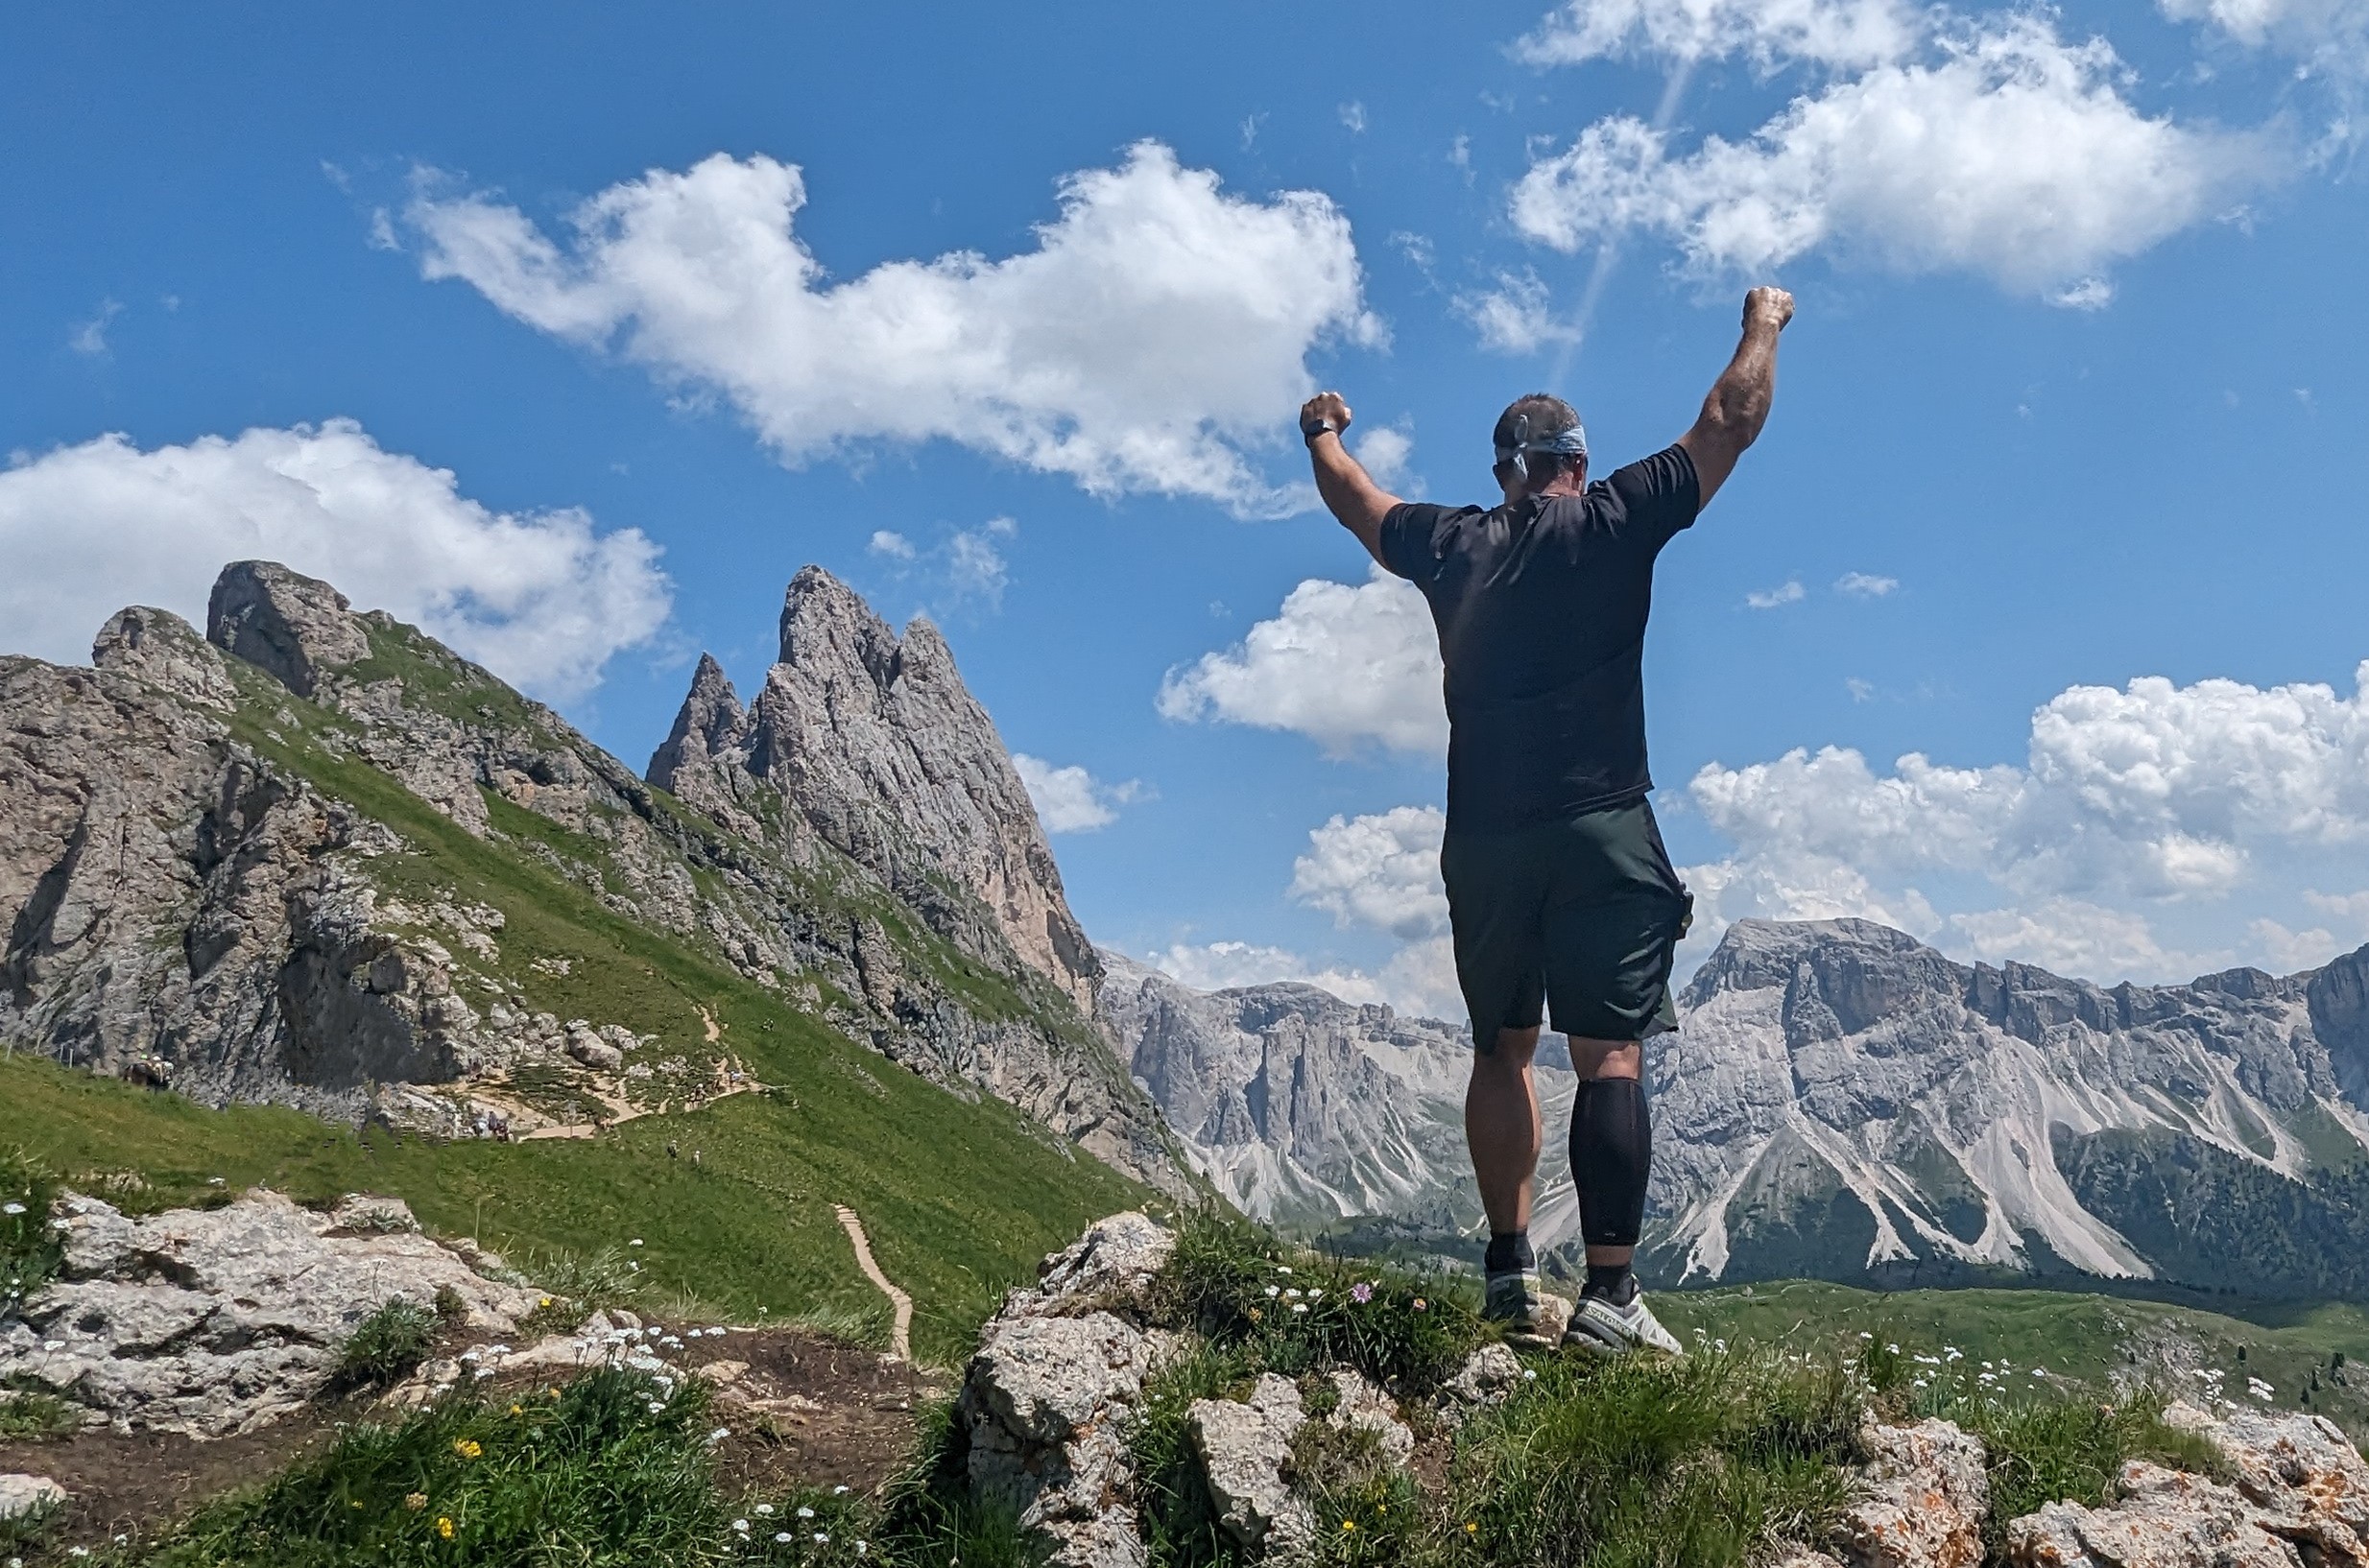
<point x="1517" y="1303"/>
<point x="1604" y="1329"/>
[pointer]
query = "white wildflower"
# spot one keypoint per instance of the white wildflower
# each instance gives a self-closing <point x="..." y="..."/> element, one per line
<point x="804" y="1513"/>
<point x="765" y="1510"/>
<point x="741" y="1525"/>
<point x="13" y="1209"/>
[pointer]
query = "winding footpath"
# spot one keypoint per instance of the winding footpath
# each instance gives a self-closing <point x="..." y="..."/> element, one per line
<point x="901" y="1337"/>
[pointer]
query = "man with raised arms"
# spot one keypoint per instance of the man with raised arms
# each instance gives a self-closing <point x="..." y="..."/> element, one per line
<point x="1560" y="893"/>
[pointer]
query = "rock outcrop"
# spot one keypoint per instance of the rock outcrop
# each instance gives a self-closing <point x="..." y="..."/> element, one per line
<point x="213" y="1321"/>
<point x="1926" y="1495"/>
<point x="189" y="894"/>
<point x="2301" y="1500"/>
<point x="24" y="1495"/>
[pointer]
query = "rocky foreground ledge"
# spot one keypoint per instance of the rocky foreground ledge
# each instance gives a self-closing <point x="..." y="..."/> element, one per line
<point x="1061" y="1374"/>
<point x="217" y="1322"/>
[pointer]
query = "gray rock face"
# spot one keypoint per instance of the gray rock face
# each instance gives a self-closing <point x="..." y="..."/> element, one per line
<point x="181" y="903"/>
<point x="2302" y="1497"/>
<point x="1840" y="1096"/>
<point x="875" y="739"/>
<point x="1059" y="1374"/>
<point x="1300" y="1107"/>
<point x="215" y="1321"/>
<point x="1245" y="1453"/>
<point x="294" y="629"/>
<point x="22" y="1494"/>
<point x="865" y="757"/>
<point x="158" y="648"/>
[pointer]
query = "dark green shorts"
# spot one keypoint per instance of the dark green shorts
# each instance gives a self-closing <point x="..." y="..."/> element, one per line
<point x="1583" y="914"/>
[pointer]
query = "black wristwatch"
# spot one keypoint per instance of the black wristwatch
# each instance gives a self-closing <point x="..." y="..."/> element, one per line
<point x="1321" y="427"/>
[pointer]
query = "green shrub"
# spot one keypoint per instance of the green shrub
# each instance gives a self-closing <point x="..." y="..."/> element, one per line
<point x="1296" y="1311"/>
<point x="29" y="1249"/>
<point x="29" y="1414"/>
<point x="387" y="1347"/>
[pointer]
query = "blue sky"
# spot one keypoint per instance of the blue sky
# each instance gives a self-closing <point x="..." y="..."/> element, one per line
<point x="2072" y="402"/>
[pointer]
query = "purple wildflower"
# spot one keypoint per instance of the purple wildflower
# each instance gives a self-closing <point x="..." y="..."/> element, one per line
<point x="1361" y="1292"/>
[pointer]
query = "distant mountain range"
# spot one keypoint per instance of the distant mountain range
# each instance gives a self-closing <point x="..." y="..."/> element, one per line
<point x="1840" y="1102"/>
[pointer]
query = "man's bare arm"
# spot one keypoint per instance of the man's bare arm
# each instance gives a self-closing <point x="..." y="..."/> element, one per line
<point x="1348" y="491"/>
<point x="1738" y="406"/>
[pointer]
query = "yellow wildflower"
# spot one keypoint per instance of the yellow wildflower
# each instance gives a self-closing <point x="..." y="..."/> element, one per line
<point x="444" y="1527"/>
<point x="1349" y="1524"/>
<point x="467" y="1447"/>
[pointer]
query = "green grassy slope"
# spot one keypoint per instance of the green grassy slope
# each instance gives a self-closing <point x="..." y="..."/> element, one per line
<point x="2091" y="1339"/>
<point x="961" y="1194"/>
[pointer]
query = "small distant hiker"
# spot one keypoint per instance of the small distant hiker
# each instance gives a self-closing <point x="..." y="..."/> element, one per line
<point x="1559" y="891"/>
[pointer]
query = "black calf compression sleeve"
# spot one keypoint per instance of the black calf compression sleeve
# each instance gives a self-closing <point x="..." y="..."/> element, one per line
<point x="1611" y="1156"/>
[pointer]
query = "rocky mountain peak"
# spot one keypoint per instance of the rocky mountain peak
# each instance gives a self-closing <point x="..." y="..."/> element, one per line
<point x="883" y="753"/>
<point x="712" y="724"/>
<point x="292" y="626"/>
<point x="159" y="649"/>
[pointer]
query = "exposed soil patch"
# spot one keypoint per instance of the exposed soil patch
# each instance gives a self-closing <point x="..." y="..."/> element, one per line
<point x="122" y="1483"/>
<point x="802" y="1410"/>
<point x="812" y="1411"/>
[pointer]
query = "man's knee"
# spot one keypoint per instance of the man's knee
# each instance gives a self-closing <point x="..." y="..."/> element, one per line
<point x="1608" y="1058"/>
<point x="1508" y="1055"/>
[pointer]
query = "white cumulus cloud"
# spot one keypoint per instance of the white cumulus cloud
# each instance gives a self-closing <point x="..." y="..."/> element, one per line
<point x="1345" y="666"/>
<point x="1380" y="872"/>
<point x="1146" y="344"/>
<point x="1790" y="592"/>
<point x="2328" y="35"/>
<point x="542" y="598"/>
<point x="1516" y="317"/>
<point x="1417" y="979"/>
<point x="1996" y="147"/>
<point x="1070" y="799"/>
<point x="1833" y="33"/>
<point x="2134" y="806"/>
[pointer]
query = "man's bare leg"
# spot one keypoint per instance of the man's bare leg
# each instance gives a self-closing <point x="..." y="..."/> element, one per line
<point x="1504" y="1129"/>
<point x="1608" y="1058"/>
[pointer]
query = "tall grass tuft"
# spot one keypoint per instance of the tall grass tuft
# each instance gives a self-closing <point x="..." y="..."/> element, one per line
<point x="928" y="1517"/>
<point x="1700" y="1462"/>
<point x="1295" y="1312"/>
<point x="29" y="1250"/>
<point x="387" y="1347"/>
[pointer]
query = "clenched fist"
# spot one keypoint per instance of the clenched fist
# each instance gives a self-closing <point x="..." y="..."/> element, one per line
<point x="1771" y="305"/>
<point x="1326" y="411"/>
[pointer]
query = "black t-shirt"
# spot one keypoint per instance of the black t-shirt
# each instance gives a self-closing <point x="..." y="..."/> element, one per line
<point x="1541" y="608"/>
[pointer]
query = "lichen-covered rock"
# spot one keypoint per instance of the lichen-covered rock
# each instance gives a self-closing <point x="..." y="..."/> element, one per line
<point x="2165" y="1519"/>
<point x="1361" y="1407"/>
<point x="1245" y="1453"/>
<point x="22" y="1494"/>
<point x="216" y="1322"/>
<point x="1926" y="1493"/>
<point x="2305" y="1479"/>
<point x="1111" y="1267"/>
<point x="1488" y="1375"/>
<point x="1043" y="1407"/>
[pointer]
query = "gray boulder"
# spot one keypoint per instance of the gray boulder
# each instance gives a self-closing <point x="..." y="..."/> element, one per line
<point x="211" y="1322"/>
<point x="1245" y="1453"/>
<point x="22" y="1494"/>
